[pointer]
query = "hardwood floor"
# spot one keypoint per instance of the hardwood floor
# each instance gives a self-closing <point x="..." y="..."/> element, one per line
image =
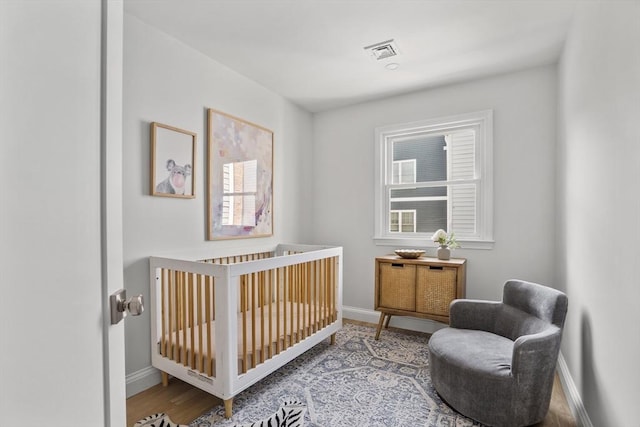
<point x="559" y="414"/>
<point x="184" y="403"/>
<point x="181" y="401"/>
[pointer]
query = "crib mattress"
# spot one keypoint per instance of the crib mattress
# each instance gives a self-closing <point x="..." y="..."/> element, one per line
<point x="192" y="346"/>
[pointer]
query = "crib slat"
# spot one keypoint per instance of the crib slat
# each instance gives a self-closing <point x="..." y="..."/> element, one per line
<point x="295" y="286"/>
<point x="316" y="309"/>
<point x="329" y="302"/>
<point x="177" y="313"/>
<point x="243" y="305"/>
<point x="334" y="281"/>
<point x="320" y="279"/>
<point x="327" y="297"/>
<point x="213" y="299"/>
<point x="290" y="290"/>
<point x="263" y="334"/>
<point x="334" y="288"/>
<point x="309" y="299"/>
<point x="175" y="331"/>
<point x="208" y="290"/>
<point x="295" y="311"/>
<point x="329" y="293"/>
<point x="172" y="325"/>
<point x="178" y="316"/>
<point x="252" y="289"/>
<point x="318" y="293"/>
<point x="307" y="281"/>
<point x="328" y="289"/>
<point x="299" y="300"/>
<point x="285" y="302"/>
<point x="200" y="322"/>
<point x="312" y="308"/>
<point x="279" y="301"/>
<point x="192" y="324"/>
<point x="269" y="278"/>
<point x="299" y="309"/>
<point x="183" y="317"/>
<point x="163" y="311"/>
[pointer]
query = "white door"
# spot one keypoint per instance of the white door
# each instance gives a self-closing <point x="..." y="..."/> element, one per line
<point x="61" y="363"/>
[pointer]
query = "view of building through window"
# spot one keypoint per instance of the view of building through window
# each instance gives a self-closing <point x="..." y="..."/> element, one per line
<point x="432" y="163"/>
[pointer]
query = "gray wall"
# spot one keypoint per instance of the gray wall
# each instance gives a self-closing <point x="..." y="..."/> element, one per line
<point x="599" y="209"/>
<point x="524" y="106"/>
<point x="168" y="82"/>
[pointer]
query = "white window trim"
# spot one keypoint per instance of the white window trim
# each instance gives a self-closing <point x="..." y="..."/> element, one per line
<point x="484" y="162"/>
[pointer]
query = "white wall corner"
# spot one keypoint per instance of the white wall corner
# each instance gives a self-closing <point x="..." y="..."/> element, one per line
<point x="572" y="394"/>
<point x="141" y="380"/>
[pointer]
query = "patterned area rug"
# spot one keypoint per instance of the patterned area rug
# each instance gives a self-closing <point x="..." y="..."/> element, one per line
<point x="357" y="382"/>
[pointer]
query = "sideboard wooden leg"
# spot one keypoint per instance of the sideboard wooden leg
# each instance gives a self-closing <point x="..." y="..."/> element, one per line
<point x="382" y="316"/>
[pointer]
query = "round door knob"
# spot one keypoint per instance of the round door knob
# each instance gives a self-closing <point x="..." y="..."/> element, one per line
<point x="135" y="305"/>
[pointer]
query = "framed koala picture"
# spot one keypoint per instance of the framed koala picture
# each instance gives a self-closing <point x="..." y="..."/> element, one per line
<point x="173" y="159"/>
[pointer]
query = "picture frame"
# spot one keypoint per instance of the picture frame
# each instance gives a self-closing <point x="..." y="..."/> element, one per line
<point x="173" y="160"/>
<point x="239" y="177"/>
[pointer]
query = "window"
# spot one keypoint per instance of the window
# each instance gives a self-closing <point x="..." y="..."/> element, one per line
<point x="239" y="193"/>
<point x="402" y="221"/>
<point x="404" y="171"/>
<point x="435" y="174"/>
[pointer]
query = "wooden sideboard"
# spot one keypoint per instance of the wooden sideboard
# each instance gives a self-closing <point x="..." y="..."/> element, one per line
<point x="422" y="287"/>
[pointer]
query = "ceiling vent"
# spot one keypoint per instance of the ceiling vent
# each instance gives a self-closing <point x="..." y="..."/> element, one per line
<point x="383" y="50"/>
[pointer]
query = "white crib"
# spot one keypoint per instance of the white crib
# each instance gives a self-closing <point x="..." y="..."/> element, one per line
<point x="273" y="304"/>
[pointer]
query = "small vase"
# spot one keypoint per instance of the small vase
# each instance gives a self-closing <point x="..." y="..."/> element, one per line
<point x="444" y="253"/>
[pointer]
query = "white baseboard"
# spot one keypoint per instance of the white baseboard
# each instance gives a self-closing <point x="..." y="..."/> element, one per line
<point x="410" y="323"/>
<point x="572" y="394"/>
<point x="143" y="379"/>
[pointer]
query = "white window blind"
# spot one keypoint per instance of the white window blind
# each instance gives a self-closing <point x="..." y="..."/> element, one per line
<point x="463" y="207"/>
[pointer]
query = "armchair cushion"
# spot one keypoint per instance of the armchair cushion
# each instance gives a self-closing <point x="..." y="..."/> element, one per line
<point x="475" y="351"/>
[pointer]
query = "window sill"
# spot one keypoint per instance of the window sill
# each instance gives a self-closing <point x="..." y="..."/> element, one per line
<point x="422" y="243"/>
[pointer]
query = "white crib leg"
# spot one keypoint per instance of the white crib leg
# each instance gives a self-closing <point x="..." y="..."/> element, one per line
<point x="228" y="407"/>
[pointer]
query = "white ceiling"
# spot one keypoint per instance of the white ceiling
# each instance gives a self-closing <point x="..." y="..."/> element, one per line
<point x="311" y="51"/>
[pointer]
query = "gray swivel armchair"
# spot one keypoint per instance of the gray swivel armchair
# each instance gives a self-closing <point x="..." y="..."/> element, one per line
<point x="496" y="362"/>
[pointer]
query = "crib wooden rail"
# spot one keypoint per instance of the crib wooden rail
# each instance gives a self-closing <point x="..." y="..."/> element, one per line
<point x="228" y="321"/>
<point x="187" y="309"/>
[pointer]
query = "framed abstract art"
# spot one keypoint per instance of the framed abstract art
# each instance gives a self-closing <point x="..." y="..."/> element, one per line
<point x="240" y="178"/>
